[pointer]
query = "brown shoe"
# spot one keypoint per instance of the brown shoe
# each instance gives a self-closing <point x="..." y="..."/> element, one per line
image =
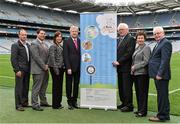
<point x="20" y="109"/>
<point x="155" y="119"/>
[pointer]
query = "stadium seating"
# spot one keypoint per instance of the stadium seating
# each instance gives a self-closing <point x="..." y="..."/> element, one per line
<point x="35" y="15"/>
<point x="151" y="20"/>
<point x="31" y="18"/>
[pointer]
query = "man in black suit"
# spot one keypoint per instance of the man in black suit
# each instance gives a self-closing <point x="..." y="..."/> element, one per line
<point x="159" y="70"/>
<point x="71" y="51"/>
<point x="20" y="60"/>
<point x="125" y="50"/>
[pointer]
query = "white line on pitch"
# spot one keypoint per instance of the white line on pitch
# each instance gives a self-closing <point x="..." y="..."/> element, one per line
<point x="7" y="77"/>
<point x="150" y="94"/>
<point x="173" y="91"/>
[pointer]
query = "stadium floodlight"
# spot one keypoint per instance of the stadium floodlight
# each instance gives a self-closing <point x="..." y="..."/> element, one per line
<point x="14" y="1"/>
<point x="124" y="13"/>
<point x="28" y="3"/>
<point x="143" y="12"/>
<point x="57" y="9"/>
<point x="43" y="6"/>
<point x="162" y="10"/>
<point x="120" y="2"/>
<point x="71" y="11"/>
<point x="177" y="8"/>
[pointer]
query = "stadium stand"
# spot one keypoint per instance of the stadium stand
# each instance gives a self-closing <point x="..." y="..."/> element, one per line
<point x="35" y="15"/>
<point x="14" y="16"/>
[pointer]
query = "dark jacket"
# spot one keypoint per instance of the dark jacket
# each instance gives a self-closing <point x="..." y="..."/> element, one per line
<point x="19" y="59"/>
<point x="159" y="63"/>
<point x="124" y="53"/>
<point x="55" y="56"/>
<point x="72" y="56"/>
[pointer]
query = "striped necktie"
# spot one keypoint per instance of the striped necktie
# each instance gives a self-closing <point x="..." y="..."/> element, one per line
<point x="75" y="43"/>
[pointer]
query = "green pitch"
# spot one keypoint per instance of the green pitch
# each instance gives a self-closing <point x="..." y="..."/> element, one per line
<point x="9" y="114"/>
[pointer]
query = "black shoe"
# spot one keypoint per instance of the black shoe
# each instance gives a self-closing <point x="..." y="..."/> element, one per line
<point x="70" y="107"/>
<point x="120" y="106"/>
<point x="140" y="115"/>
<point x="136" y="112"/>
<point x="75" y="106"/>
<point x="38" y="108"/>
<point x="126" y="109"/>
<point x="45" y="105"/>
<point x="25" y="104"/>
<point x="20" y="109"/>
<point x="61" y="107"/>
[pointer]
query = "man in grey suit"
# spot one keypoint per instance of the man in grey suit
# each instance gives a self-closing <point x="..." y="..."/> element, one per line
<point x="159" y="70"/>
<point x="39" y="70"/>
<point x="20" y="60"/>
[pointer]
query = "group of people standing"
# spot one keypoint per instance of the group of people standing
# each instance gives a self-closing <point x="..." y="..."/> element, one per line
<point x="38" y="59"/>
<point x="135" y="63"/>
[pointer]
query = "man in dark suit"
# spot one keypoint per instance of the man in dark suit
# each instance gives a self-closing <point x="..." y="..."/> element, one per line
<point x="71" y="51"/>
<point x="20" y="60"/>
<point x="159" y="70"/>
<point x="39" y="70"/>
<point x="125" y="50"/>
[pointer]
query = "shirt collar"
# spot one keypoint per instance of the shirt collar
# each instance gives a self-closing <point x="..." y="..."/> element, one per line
<point x="74" y="39"/>
<point x="40" y="40"/>
<point x="23" y="43"/>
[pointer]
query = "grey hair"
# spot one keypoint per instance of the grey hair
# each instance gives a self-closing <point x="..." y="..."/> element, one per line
<point x="159" y="28"/>
<point x="123" y="25"/>
<point x="74" y="27"/>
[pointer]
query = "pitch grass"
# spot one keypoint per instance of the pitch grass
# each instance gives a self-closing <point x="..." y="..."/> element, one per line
<point x="7" y="80"/>
<point x="8" y="114"/>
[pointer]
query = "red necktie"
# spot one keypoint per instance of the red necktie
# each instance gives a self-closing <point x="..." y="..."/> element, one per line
<point x="75" y="42"/>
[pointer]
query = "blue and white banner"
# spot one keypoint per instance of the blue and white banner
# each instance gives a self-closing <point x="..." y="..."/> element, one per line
<point x="98" y="51"/>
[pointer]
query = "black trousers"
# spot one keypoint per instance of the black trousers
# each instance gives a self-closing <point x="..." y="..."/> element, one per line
<point x="125" y="84"/>
<point x="22" y="89"/>
<point x="57" y="87"/>
<point x="142" y="88"/>
<point x="72" y="87"/>
<point x="162" y="87"/>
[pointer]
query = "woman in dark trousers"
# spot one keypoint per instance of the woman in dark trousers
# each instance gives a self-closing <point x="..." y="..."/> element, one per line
<point x="139" y="71"/>
<point x="56" y="65"/>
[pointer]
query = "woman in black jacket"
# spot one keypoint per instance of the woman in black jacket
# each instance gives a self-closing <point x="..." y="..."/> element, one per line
<point x="56" y="65"/>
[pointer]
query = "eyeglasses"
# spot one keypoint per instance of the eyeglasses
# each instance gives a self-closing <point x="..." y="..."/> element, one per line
<point x="157" y="33"/>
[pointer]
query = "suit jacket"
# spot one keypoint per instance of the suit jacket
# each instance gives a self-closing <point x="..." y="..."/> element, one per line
<point x="140" y="60"/>
<point x="124" y="53"/>
<point x="55" y="56"/>
<point x="72" y="56"/>
<point x="19" y="58"/>
<point x="39" y="57"/>
<point x="159" y="63"/>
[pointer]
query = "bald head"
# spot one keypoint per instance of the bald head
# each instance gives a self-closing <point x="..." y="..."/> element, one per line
<point x="123" y="29"/>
